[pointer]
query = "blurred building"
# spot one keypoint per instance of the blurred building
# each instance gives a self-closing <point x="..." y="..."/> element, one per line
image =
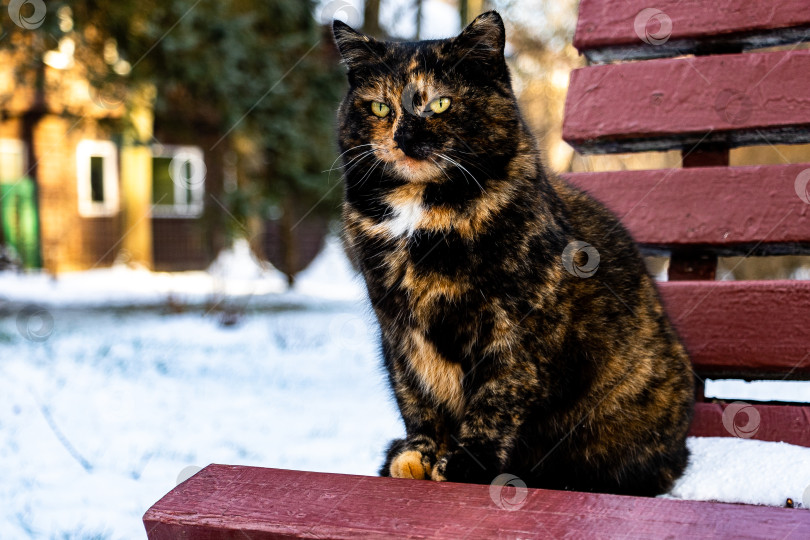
<point x="88" y="177"/>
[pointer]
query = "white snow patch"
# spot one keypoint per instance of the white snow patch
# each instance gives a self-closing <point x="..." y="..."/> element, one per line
<point x="235" y="274"/>
<point x="239" y="263"/>
<point x="734" y="389"/>
<point x="331" y="275"/>
<point x="747" y="471"/>
<point x="97" y="422"/>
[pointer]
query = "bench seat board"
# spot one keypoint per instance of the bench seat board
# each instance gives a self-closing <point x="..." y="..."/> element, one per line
<point x="731" y="209"/>
<point x="605" y="29"/>
<point x="729" y="100"/>
<point x="246" y="502"/>
<point x="743" y="329"/>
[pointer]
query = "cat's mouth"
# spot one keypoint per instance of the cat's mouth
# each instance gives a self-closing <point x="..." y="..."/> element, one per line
<point x="413" y="169"/>
<point x="418" y="170"/>
<point x="412" y="164"/>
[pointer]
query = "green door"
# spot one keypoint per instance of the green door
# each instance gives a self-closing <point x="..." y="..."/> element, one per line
<point x="18" y="208"/>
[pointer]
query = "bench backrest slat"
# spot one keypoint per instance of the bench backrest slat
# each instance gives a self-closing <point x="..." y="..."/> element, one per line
<point x="780" y="423"/>
<point x="730" y="100"/>
<point x="732" y="210"/>
<point x="608" y="30"/>
<point x="739" y="329"/>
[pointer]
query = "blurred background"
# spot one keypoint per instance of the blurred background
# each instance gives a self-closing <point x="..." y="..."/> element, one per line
<point x="155" y="134"/>
<point x="173" y="291"/>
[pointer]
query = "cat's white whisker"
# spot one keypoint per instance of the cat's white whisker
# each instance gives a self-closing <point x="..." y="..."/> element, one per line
<point x="359" y="159"/>
<point x="463" y="169"/>
<point x="370" y="171"/>
<point x="441" y="169"/>
<point x="355" y="158"/>
<point x="469" y="163"/>
<point x="332" y="166"/>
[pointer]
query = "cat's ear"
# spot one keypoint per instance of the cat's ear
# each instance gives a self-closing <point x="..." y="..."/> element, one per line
<point x="483" y="39"/>
<point x="355" y="47"/>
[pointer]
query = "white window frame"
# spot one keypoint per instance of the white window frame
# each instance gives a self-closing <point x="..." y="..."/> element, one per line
<point x="107" y="150"/>
<point x="195" y="185"/>
<point x="14" y="146"/>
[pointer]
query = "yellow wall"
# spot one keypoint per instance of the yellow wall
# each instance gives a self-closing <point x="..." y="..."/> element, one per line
<point x="136" y="181"/>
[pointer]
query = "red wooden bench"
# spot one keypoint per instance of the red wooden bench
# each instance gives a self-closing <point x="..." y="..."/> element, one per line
<point x="703" y="105"/>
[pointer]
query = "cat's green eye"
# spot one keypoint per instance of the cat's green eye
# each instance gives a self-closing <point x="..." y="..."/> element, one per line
<point x="439" y="105"/>
<point x="380" y="109"/>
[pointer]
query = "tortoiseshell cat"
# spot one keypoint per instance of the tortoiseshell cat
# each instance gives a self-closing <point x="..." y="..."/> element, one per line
<point x="507" y="349"/>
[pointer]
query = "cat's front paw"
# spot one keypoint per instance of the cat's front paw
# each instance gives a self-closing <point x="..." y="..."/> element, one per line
<point x="437" y="474"/>
<point x="459" y="466"/>
<point x="410" y="464"/>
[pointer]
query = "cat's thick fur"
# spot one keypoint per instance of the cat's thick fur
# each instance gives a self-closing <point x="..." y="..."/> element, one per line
<point x="508" y="349"/>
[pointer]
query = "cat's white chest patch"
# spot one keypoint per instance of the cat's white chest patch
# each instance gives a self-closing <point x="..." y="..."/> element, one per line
<point x="404" y="218"/>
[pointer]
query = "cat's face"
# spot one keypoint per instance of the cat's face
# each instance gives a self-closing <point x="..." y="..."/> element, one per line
<point x="429" y="111"/>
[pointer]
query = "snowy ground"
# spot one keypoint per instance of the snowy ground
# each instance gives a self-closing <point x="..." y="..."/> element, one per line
<point x="101" y="409"/>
